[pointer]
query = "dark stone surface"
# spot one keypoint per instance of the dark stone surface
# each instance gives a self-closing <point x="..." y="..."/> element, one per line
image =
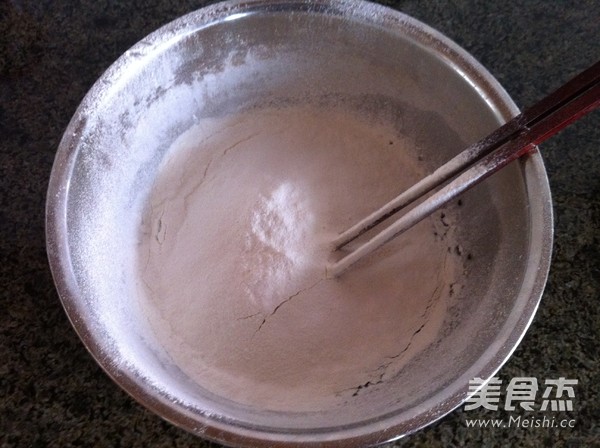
<point x="51" y="391"/>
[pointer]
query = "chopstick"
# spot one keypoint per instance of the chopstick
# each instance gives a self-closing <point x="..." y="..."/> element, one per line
<point x="517" y="137"/>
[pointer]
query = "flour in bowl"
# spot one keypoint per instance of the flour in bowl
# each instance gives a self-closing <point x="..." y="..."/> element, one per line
<point x="235" y="244"/>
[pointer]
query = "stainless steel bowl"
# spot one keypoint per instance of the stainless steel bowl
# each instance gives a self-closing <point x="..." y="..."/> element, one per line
<point x="238" y="55"/>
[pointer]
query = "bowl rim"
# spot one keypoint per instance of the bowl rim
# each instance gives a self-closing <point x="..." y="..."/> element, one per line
<point x="222" y="430"/>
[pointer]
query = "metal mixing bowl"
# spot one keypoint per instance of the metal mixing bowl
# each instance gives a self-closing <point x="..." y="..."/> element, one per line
<point x="244" y="54"/>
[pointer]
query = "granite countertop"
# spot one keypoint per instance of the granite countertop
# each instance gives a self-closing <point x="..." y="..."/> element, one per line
<point x="52" y="393"/>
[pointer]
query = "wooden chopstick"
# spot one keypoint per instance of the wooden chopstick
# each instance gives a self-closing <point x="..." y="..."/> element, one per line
<point x="518" y="136"/>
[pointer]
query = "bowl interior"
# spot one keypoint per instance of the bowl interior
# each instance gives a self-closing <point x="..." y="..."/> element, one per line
<point x="231" y="59"/>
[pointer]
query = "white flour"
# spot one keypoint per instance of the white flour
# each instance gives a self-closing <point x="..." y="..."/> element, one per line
<point x="234" y="249"/>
